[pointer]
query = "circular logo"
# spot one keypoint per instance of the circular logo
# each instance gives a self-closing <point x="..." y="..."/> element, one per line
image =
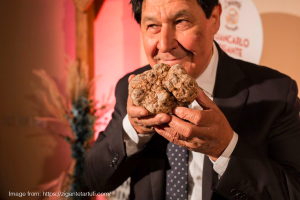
<point x="232" y="16"/>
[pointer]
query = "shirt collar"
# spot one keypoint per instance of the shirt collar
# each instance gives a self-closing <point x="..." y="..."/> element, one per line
<point x="206" y="81"/>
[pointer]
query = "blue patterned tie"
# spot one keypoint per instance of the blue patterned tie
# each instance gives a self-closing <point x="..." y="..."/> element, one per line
<point x="177" y="176"/>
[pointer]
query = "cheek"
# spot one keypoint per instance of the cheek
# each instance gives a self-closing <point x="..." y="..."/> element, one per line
<point x="203" y="41"/>
<point x="192" y="41"/>
<point x="150" y="46"/>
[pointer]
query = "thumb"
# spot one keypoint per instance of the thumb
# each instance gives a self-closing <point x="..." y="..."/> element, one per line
<point x="204" y="101"/>
<point x="130" y="77"/>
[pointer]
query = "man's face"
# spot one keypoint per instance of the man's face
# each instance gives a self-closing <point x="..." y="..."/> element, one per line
<point x="177" y="32"/>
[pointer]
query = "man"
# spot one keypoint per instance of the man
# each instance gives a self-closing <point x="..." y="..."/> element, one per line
<point x="244" y="144"/>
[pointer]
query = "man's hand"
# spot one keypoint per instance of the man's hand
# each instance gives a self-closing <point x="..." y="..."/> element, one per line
<point x="139" y="119"/>
<point x="206" y="131"/>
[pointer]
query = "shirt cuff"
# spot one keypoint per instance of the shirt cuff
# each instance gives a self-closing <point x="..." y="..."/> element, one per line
<point x="221" y="163"/>
<point x="134" y="141"/>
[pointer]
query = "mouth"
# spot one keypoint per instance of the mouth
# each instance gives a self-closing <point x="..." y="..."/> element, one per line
<point x="170" y="61"/>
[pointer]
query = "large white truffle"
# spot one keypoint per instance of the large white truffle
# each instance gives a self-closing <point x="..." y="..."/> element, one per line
<point x="163" y="88"/>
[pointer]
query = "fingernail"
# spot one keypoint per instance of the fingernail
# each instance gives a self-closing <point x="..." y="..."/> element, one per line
<point x="176" y="110"/>
<point x="142" y="113"/>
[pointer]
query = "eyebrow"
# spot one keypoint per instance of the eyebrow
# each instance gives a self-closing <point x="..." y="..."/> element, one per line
<point x="149" y="18"/>
<point x="182" y="13"/>
<point x="176" y="15"/>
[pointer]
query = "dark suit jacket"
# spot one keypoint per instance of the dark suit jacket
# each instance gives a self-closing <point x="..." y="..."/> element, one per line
<point x="261" y="106"/>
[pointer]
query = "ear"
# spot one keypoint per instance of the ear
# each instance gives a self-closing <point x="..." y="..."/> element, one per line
<point x="215" y="18"/>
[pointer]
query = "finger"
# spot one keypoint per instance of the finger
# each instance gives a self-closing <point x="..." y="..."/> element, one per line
<point x="197" y="117"/>
<point x="204" y="101"/>
<point x="186" y="129"/>
<point x="135" y="111"/>
<point x="183" y="128"/>
<point x="132" y="110"/>
<point x="154" y="120"/>
<point x="170" y="135"/>
<point x="130" y="77"/>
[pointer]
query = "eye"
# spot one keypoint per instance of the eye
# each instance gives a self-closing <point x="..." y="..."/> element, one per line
<point x="153" y="28"/>
<point x="182" y="24"/>
<point x="180" y="21"/>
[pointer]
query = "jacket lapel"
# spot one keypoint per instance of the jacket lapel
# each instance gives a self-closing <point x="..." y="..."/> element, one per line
<point x="157" y="178"/>
<point x="231" y="91"/>
<point x="230" y="95"/>
<point x="157" y="165"/>
<point x="207" y="179"/>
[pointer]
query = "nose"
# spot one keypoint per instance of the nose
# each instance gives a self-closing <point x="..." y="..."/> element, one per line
<point x="167" y="40"/>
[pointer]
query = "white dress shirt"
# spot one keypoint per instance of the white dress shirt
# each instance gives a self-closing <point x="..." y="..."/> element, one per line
<point x="135" y="142"/>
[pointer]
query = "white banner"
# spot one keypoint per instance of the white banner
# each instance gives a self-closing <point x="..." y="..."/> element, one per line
<point x="241" y="32"/>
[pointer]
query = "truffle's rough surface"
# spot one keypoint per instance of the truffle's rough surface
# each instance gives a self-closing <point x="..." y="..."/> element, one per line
<point x="163" y="88"/>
